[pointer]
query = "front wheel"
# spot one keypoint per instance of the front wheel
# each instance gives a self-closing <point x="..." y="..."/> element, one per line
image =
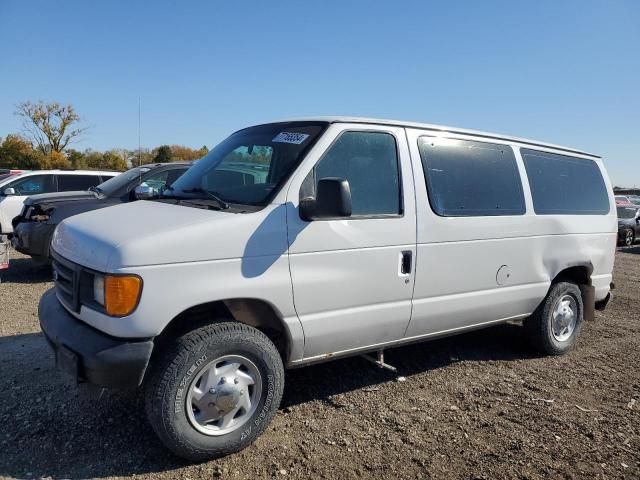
<point x="554" y="326"/>
<point x="214" y="391"/>
<point x="628" y="237"/>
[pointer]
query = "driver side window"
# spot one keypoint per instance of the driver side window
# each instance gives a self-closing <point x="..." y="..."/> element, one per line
<point x="157" y="180"/>
<point x="369" y="162"/>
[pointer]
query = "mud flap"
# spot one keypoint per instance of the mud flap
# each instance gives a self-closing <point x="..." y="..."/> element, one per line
<point x="602" y="304"/>
<point x="588" y="301"/>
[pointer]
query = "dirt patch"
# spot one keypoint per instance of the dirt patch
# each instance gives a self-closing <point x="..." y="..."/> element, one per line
<point x="479" y="405"/>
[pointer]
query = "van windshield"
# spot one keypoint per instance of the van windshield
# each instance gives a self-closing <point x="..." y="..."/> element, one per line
<point x="250" y="165"/>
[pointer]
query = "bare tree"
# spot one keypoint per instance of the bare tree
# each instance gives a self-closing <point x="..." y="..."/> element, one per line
<point x="52" y="126"/>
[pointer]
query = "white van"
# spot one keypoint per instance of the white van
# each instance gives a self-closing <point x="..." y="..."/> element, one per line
<point x="15" y="189"/>
<point x="304" y="241"/>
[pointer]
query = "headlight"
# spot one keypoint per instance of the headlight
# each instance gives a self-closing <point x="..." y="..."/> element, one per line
<point x="118" y="294"/>
<point x="98" y="289"/>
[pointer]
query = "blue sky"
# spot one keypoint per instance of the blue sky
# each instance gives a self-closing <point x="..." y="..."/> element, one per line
<point x="566" y="72"/>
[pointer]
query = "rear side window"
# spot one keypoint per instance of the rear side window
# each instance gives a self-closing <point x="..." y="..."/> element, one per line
<point x="34" y="184"/>
<point x="563" y="185"/>
<point x="471" y="179"/>
<point x="369" y="162"/>
<point x="68" y="183"/>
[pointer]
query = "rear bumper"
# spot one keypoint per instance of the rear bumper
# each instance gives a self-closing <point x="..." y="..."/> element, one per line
<point x="88" y="355"/>
<point x="33" y="238"/>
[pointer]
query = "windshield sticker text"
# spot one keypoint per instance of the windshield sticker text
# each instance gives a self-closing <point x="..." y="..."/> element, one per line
<point x="289" y="137"/>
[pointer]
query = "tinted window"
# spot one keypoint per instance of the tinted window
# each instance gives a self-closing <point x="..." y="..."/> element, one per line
<point x="120" y="184"/>
<point x="33" y="185"/>
<point x="68" y="183"/>
<point x="158" y="180"/>
<point x="175" y="174"/>
<point x="565" y="185"/>
<point x="468" y="179"/>
<point x="369" y="161"/>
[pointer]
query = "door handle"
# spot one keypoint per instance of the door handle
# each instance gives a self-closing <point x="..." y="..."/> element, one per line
<point x="405" y="262"/>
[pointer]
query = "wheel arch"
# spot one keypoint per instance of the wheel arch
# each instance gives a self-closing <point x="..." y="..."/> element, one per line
<point x="580" y="274"/>
<point x="255" y="312"/>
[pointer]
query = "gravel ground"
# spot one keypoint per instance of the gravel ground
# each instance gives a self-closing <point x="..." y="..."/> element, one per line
<point x="479" y="405"/>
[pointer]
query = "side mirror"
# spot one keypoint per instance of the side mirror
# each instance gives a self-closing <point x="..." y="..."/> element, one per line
<point x="144" y="192"/>
<point x="9" y="191"/>
<point x="333" y="200"/>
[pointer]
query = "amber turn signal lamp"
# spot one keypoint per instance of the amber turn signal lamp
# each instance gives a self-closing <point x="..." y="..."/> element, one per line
<point x="121" y="294"/>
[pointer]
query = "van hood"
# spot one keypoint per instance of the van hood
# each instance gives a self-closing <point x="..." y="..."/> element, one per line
<point x="153" y="233"/>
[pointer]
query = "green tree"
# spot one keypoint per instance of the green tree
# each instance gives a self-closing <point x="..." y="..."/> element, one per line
<point x="94" y="159"/>
<point x="180" y="153"/>
<point x="18" y="152"/>
<point x="163" y="154"/>
<point x="55" y="160"/>
<point x="51" y="126"/>
<point x="112" y="160"/>
<point x="141" y="157"/>
<point x="77" y="159"/>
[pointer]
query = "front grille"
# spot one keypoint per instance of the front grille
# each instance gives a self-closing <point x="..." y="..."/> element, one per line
<point x="66" y="277"/>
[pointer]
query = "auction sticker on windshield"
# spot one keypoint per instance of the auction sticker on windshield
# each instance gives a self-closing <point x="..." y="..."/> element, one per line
<point x="290" y="137"/>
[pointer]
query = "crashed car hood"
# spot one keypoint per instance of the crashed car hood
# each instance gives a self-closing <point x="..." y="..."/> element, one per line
<point x="53" y="198"/>
<point x="153" y="233"/>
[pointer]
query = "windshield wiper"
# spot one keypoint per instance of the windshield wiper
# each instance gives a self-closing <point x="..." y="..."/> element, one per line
<point x="224" y="205"/>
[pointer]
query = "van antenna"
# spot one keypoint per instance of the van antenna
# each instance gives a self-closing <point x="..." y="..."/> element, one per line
<point x="139" y="148"/>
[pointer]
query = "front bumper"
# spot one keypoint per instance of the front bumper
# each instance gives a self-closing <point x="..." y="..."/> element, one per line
<point x="33" y="238"/>
<point x="89" y="355"/>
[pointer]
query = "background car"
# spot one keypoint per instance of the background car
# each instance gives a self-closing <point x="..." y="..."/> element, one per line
<point x="6" y="173"/>
<point x="34" y="227"/>
<point x="623" y="200"/>
<point x="15" y="189"/>
<point x="635" y="199"/>
<point x="628" y="224"/>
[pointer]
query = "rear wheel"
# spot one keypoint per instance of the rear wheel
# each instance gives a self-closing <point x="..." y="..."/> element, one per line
<point x="214" y="390"/>
<point x="629" y="237"/>
<point x="554" y="327"/>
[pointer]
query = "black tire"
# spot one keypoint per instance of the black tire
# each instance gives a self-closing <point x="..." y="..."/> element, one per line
<point x="538" y="327"/>
<point x="629" y="237"/>
<point x="177" y="367"/>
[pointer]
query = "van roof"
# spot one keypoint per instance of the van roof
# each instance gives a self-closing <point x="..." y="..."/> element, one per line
<point x="440" y="128"/>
